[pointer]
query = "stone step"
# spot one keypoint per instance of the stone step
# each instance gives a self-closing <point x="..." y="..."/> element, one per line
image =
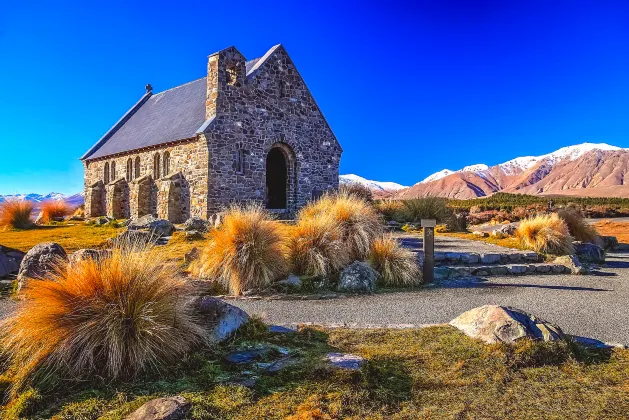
<point x="473" y="258"/>
<point x="454" y="271"/>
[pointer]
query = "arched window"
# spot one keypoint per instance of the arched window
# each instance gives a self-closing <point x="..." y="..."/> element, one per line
<point x="129" y="169"/>
<point x="137" y="167"/>
<point x="166" y="163"/>
<point x="113" y="171"/>
<point x="156" y="167"/>
<point x="106" y="173"/>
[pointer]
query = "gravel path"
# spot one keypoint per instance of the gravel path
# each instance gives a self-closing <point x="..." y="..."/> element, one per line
<point x="451" y="244"/>
<point x="593" y="306"/>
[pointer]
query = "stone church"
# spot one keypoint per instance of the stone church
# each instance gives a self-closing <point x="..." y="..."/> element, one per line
<point x="250" y="131"/>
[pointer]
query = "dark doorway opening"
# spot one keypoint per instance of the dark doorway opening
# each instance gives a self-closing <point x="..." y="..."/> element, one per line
<point x="276" y="179"/>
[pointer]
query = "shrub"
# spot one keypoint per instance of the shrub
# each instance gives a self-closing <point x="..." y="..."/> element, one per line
<point x="53" y="209"/>
<point x="246" y="252"/>
<point x="427" y="208"/>
<point x="397" y="265"/>
<point x="316" y="247"/>
<point x="113" y="317"/>
<point x="358" y="221"/>
<point x="390" y="209"/>
<point x="16" y="214"/>
<point x="545" y="233"/>
<point x="357" y="190"/>
<point x="79" y="211"/>
<point x="578" y="227"/>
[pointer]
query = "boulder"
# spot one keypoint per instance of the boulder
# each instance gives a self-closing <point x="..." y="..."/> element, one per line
<point x="8" y="265"/>
<point x="493" y="323"/>
<point x="161" y="227"/>
<point x="220" y="318"/>
<point x="504" y="231"/>
<point x="292" y="281"/>
<point x="589" y="252"/>
<point x="490" y="258"/>
<point x="196" y="223"/>
<point x="41" y="259"/>
<point x="194" y="235"/>
<point x="610" y="243"/>
<point x="358" y="277"/>
<point x="135" y="237"/>
<point x="103" y="220"/>
<point x="168" y="408"/>
<point x="572" y="263"/>
<point x="89" y="254"/>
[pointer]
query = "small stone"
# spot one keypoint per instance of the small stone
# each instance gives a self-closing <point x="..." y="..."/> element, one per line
<point x="453" y="256"/>
<point x="543" y="268"/>
<point x="278" y="329"/>
<point x="193" y="235"/>
<point x="571" y="263"/>
<point x="517" y="269"/>
<point x="160" y="227"/>
<point x="196" y="224"/>
<point x="292" y="281"/>
<point x="247" y="356"/>
<point x="85" y="254"/>
<point x="345" y="361"/>
<point x="515" y="257"/>
<point x="470" y="258"/>
<point x="557" y="268"/>
<point x="222" y="318"/>
<point x="40" y="260"/>
<point x="191" y="255"/>
<point x="358" y="277"/>
<point x="169" y="408"/>
<point x="498" y="270"/>
<point x="490" y="258"/>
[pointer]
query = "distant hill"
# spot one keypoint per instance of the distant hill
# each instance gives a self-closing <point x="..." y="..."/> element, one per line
<point x="379" y="188"/>
<point x="74" y="200"/>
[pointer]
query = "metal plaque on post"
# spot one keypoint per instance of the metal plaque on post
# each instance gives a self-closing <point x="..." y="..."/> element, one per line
<point x="429" y="249"/>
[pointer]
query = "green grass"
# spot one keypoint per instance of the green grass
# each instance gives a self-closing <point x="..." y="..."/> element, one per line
<point x="434" y="372"/>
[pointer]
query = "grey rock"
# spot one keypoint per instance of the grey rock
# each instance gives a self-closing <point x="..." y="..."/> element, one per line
<point x="517" y="269"/>
<point x="8" y="265"/>
<point x="589" y="252"/>
<point x="241" y="357"/>
<point x="543" y="268"/>
<point x="470" y="258"/>
<point x="531" y="256"/>
<point x="160" y="227"/>
<point x="557" y="268"/>
<point x="498" y="270"/>
<point x="40" y="260"/>
<point x="504" y="231"/>
<point x="440" y="256"/>
<point x="94" y="254"/>
<point x="571" y="263"/>
<point x="191" y="255"/>
<point x="168" y="408"/>
<point x="610" y="243"/>
<point x="103" y="220"/>
<point x="196" y="223"/>
<point x="490" y="258"/>
<point x="458" y="272"/>
<point x="132" y="238"/>
<point x="482" y="271"/>
<point x="345" y="361"/>
<point x="292" y="281"/>
<point x="453" y="256"/>
<point x="221" y="318"/>
<point x="515" y="257"/>
<point x="441" y="273"/>
<point x="358" y="277"/>
<point x="492" y="323"/>
<point x="278" y="329"/>
<point x="193" y="235"/>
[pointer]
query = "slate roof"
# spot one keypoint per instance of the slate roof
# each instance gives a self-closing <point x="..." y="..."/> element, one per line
<point x="171" y="115"/>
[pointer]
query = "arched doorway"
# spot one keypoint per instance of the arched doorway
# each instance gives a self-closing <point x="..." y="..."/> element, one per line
<point x="276" y="179"/>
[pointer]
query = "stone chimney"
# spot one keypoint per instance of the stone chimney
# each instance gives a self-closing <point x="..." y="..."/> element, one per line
<point x="225" y="74"/>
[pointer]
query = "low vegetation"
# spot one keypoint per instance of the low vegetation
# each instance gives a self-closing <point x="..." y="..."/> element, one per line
<point x="357" y="190"/>
<point x="55" y="209"/>
<point x="398" y="266"/>
<point x="16" y="214"/>
<point x="434" y="372"/>
<point x="113" y="318"/>
<point x="246" y="252"/>
<point x="613" y="228"/>
<point x="577" y="226"/>
<point x="545" y="233"/>
<point x="427" y="208"/>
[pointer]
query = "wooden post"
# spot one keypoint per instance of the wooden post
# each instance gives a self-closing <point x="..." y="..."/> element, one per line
<point x="429" y="249"/>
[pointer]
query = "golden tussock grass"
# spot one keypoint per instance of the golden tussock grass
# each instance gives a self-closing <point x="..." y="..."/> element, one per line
<point x="545" y="233"/>
<point x="398" y="266"/>
<point x="113" y="317"/>
<point x="246" y="252"/>
<point x="389" y="208"/>
<point x="358" y="221"/>
<point x="55" y="208"/>
<point x="578" y="227"/>
<point x="316" y="247"/>
<point x="15" y="214"/>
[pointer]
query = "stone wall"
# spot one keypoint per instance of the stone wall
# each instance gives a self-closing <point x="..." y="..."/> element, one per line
<point x="272" y="109"/>
<point x="187" y="159"/>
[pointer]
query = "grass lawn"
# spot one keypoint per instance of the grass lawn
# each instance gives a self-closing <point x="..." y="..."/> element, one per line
<point x="434" y="372"/>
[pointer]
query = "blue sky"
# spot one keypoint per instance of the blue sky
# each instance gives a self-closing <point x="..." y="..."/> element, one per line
<point x="409" y="88"/>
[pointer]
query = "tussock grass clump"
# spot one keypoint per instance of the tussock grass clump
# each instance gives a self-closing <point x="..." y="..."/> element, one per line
<point x="53" y="209"/>
<point x="316" y="247"/>
<point x="357" y="190"/>
<point x="397" y="265"/>
<point x="16" y="214"/>
<point x="113" y="317"/>
<point x="578" y="227"/>
<point x="427" y="208"/>
<point x="79" y="211"/>
<point x="358" y="221"/>
<point x="390" y="209"/>
<point x="545" y="233"/>
<point x="246" y="252"/>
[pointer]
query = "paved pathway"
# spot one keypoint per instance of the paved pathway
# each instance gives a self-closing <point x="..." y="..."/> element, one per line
<point x="451" y="244"/>
<point x="593" y="306"/>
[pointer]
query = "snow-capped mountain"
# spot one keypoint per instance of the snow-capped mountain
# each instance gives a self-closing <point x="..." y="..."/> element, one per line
<point x="589" y="169"/>
<point x="38" y="198"/>
<point x="373" y="185"/>
<point x="520" y="164"/>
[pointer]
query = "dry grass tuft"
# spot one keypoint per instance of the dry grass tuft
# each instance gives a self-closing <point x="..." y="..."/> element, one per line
<point x="16" y="214"/>
<point x="246" y="252"/>
<point x="390" y="209"/>
<point x="79" y="211"/>
<point x="358" y="221"/>
<point x="545" y="233"/>
<point x="316" y="247"/>
<point x="113" y="317"/>
<point x="53" y="209"/>
<point x="397" y="265"/>
<point x="578" y="227"/>
<point x="357" y="190"/>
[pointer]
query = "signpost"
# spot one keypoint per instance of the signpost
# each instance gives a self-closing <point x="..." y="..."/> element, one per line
<point x="429" y="249"/>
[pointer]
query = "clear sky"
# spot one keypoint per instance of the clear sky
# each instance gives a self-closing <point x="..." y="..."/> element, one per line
<point x="408" y="88"/>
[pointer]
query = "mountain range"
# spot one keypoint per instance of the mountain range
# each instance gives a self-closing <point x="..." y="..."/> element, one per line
<point x="588" y="169"/>
<point x="73" y="199"/>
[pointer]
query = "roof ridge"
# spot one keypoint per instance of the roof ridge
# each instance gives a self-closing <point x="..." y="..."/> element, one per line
<point x="178" y="86"/>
